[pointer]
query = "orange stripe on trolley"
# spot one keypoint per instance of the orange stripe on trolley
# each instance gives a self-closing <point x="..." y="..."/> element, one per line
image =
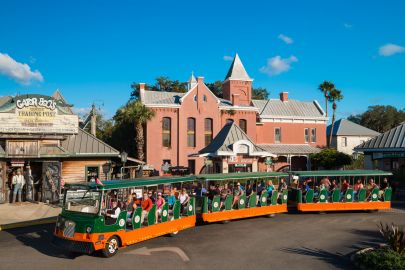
<point x="343" y="206"/>
<point x="244" y="213"/>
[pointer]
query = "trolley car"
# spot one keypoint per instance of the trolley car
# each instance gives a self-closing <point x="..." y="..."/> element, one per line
<point x="257" y="202"/>
<point x="311" y="191"/>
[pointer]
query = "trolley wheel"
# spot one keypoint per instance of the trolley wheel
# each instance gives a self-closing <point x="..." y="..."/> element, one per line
<point x="225" y="221"/>
<point x="111" y="247"/>
<point x="173" y="234"/>
<point x="271" y="215"/>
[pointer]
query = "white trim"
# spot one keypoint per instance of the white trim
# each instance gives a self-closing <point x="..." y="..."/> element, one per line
<point x="238" y="79"/>
<point x="162" y="106"/>
<point x="320" y="108"/>
<point x="182" y="98"/>
<point x="295" y="120"/>
<point x="239" y="108"/>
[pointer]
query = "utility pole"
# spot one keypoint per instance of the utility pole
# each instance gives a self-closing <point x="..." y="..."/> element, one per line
<point x="93" y="121"/>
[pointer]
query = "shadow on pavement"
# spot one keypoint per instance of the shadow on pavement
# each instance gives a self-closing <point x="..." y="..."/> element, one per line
<point x="40" y="238"/>
<point x="338" y="260"/>
<point x="372" y="238"/>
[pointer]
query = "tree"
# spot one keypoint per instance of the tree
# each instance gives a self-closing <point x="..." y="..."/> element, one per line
<point x="334" y="96"/>
<point x="326" y="87"/>
<point x="138" y="114"/>
<point x="379" y="118"/>
<point x="260" y="93"/>
<point x="216" y="88"/>
<point x="162" y="83"/>
<point x="329" y="158"/>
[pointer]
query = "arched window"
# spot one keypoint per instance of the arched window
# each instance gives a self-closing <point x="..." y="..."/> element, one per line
<point x="207" y="131"/>
<point x="191" y="132"/>
<point x="166" y="131"/>
<point x="205" y="98"/>
<point x="229" y="120"/>
<point x="243" y="125"/>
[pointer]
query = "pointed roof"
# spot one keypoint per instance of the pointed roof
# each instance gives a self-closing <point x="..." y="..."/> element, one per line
<point x="192" y="79"/>
<point x="58" y="96"/>
<point x="237" y="71"/>
<point x="222" y="144"/>
<point x="391" y="140"/>
<point x="344" y="127"/>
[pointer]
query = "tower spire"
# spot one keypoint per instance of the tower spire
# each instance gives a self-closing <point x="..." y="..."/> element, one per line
<point x="237" y="71"/>
<point x="191" y="81"/>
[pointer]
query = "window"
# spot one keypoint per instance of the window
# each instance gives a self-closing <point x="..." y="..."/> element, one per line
<point x="229" y="120"/>
<point x="195" y="97"/>
<point x="166" y="131"/>
<point x="191" y="166"/>
<point x="243" y="125"/>
<point x="205" y="98"/>
<point x="207" y="131"/>
<point x="277" y="135"/>
<point x="313" y="135"/>
<point x="306" y="135"/>
<point x="344" y="141"/>
<point x="92" y="173"/>
<point x="191" y="132"/>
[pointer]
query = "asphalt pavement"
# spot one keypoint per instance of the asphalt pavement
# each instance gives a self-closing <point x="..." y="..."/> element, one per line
<point x="287" y="241"/>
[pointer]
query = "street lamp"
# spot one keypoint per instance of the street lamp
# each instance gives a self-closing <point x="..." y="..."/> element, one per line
<point x="124" y="157"/>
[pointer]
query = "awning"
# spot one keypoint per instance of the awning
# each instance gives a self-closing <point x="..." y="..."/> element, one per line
<point x="290" y="149"/>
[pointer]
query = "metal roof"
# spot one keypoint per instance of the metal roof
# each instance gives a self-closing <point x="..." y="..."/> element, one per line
<point x="227" y="176"/>
<point x="291" y="109"/>
<point x="224" y="140"/>
<point x="280" y="149"/>
<point x="341" y="173"/>
<point x="237" y="71"/>
<point x="2" y="152"/>
<point x="348" y="128"/>
<point x="85" y="144"/>
<point x="161" y="98"/>
<point x="393" y="139"/>
<point x="117" y="184"/>
<point x="4" y="100"/>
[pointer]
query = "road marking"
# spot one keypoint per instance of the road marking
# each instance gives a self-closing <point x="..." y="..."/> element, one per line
<point x="147" y="252"/>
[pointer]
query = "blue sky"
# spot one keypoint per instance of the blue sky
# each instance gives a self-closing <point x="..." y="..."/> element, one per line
<point x="94" y="50"/>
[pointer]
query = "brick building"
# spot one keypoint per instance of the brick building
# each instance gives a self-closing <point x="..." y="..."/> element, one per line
<point x="285" y="131"/>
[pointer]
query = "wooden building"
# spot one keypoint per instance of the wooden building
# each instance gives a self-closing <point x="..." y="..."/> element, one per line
<point x="40" y="136"/>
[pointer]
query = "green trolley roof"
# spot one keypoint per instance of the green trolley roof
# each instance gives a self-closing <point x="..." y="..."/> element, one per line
<point x="341" y="173"/>
<point x="227" y="176"/>
<point x="128" y="183"/>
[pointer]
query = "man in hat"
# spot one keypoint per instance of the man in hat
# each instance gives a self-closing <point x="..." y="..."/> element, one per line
<point x="18" y="182"/>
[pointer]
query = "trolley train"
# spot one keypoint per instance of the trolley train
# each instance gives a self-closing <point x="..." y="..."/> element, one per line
<point x="117" y="213"/>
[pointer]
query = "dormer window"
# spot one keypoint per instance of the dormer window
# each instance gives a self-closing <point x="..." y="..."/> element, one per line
<point x="195" y="98"/>
<point x="205" y="98"/>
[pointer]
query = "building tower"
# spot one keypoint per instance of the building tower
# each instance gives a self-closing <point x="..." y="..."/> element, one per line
<point x="191" y="81"/>
<point x="237" y="86"/>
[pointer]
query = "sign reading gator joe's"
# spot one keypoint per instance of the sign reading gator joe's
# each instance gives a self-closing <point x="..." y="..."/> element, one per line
<point x="37" y="114"/>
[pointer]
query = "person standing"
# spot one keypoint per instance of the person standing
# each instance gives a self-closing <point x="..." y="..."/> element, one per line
<point x="18" y="182"/>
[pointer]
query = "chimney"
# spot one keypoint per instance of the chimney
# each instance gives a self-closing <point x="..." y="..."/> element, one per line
<point x="93" y="120"/>
<point x="284" y="96"/>
<point x="235" y="99"/>
<point x="200" y="80"/>
<point x="141" y="86"/>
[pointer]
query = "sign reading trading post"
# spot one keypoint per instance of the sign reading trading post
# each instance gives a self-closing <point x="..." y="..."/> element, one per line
<point x="37" y="114"/>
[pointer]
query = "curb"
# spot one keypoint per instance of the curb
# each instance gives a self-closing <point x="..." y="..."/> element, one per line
<point x="355" y="262"/>
<point x="28" y="223"/>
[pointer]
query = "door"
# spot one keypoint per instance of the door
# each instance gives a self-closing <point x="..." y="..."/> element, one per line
<point x="3" y="182"/>
<point x="51" y="174"/>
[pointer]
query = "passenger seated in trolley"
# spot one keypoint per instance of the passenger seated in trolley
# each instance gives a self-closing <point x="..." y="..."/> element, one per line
<point x="146" y="205"/>
<point x="171" y="198"/>
<point x="369" y="188"/>
<point x="184" y="198"/>
<point x="237" y="192"/>
<point x="112" y="214"/>
<point x="160" y="203"/>
<point x="225" y="191"/>
<point x="356" y="188"/>
<point x="344" y="187"/>
<point x="384" y="185"/>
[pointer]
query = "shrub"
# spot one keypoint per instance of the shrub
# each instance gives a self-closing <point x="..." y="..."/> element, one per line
<point x="383" y="258"/>
<point x="394" y="238"/>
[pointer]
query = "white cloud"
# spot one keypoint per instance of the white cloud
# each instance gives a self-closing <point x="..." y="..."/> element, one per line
<point x="228" y="58"/>
<point x="20" y="72"/>
<point x="347" y="25"/>
<point x="277" y="65"/>
<point x="286" y="39"/>
<point x="390" y="49"/>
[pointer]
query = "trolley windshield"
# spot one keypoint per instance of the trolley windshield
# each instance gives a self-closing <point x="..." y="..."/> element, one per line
<point x="82" y="200"/>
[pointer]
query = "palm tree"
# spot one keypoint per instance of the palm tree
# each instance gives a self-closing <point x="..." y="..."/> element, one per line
<point x="136" y="113"/>
<point x="334" y="96"/>
<point x="326" y="87"/>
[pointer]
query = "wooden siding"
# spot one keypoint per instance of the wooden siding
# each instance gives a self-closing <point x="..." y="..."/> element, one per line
<point x="74" y="171"/>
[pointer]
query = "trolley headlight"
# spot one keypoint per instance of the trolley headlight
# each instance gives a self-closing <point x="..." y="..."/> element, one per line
<point x="88" y="229"/>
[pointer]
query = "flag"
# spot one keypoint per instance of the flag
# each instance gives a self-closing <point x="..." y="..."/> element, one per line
<point x="98" y="182"/>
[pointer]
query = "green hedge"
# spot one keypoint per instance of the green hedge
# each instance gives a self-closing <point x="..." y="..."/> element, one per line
<point x="383" y="258"/>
